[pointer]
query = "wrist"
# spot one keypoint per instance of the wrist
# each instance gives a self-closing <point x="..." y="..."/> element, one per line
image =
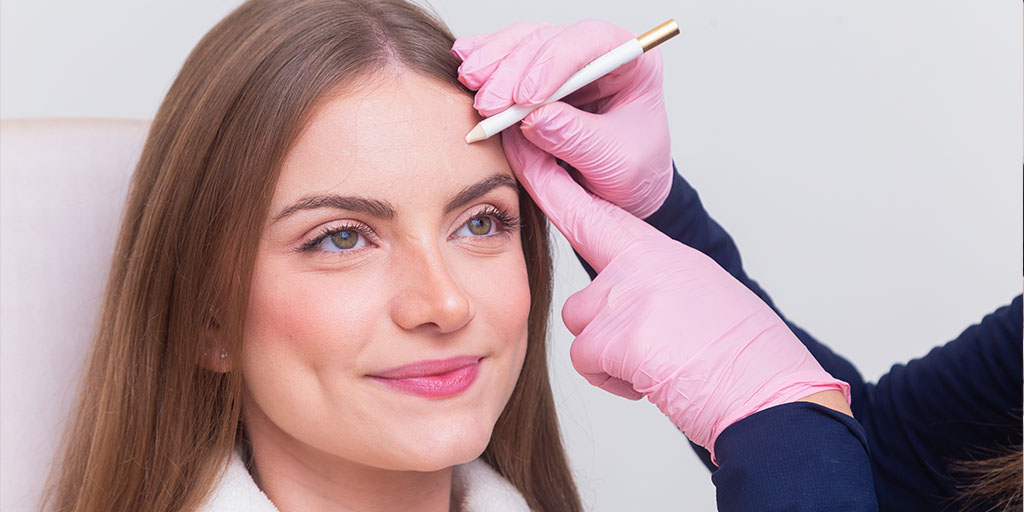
<point x="833" y="399"/>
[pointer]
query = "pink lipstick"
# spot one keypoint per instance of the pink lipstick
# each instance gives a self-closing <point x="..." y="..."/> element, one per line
<point x="433" y="379"/>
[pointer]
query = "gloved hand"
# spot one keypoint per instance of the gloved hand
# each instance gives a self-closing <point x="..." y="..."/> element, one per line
<point x="663" y="320"/>
<point x="614" y="131"/>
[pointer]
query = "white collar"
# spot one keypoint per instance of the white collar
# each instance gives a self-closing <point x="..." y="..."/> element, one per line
<point x="480" y="487"/>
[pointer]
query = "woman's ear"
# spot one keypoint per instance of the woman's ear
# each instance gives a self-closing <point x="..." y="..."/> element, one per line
<point x="214" y="354"/>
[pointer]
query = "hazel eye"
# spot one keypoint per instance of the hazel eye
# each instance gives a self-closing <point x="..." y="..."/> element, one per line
<point x="338" y="240"/>
<point x="477" y="226"/>
<point x="346" y="239"/>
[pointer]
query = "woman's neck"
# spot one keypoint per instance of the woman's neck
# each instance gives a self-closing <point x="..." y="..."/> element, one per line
<point x="297" y="477"/>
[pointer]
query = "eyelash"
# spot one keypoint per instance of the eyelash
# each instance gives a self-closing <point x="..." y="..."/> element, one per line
<point x="507" y="223"/>
<point x="331" y="231"/>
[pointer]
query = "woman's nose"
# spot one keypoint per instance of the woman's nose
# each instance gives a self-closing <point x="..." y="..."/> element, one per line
<point x="428" y="295"/>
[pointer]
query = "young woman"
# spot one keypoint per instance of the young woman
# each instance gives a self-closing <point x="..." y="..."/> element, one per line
<point x="321" y="298"/>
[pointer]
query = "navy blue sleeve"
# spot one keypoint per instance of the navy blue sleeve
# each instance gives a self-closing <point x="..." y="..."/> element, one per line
<point x="794" y="457"/>
<point x="960" y="402"/>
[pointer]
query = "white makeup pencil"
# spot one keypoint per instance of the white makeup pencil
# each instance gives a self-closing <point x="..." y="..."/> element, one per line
<point x="595" y="69"/>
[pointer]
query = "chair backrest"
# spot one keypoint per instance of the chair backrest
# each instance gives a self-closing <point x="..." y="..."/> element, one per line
<point x="63" y="184"/>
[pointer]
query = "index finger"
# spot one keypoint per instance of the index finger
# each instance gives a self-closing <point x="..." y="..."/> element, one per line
<point x="482" y="54"/>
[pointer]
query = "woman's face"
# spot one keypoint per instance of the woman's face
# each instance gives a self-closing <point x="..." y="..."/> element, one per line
<point x="388" y="318"/>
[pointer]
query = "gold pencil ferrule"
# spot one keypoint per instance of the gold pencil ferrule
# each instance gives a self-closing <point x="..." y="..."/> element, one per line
<point x="658" y="35"/>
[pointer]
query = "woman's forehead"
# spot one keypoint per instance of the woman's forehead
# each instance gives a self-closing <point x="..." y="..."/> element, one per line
<point x="404" y="131"/>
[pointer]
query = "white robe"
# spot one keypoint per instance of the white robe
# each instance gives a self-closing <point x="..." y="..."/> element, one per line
<point x="481" y="489"/>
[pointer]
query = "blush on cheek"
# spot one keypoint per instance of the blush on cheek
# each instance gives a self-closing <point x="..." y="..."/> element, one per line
<point x="500" y="289"/>
<point x="316" y="316"/>
<point x="519" y="296"/>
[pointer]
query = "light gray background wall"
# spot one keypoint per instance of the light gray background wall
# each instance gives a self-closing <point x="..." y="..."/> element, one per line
<point x="866" y="156"/>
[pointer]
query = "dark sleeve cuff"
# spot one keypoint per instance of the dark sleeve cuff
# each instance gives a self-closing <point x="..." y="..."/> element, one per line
<point x="795" y="456"/>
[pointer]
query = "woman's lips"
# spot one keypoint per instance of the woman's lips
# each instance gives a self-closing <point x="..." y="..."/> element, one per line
<point x="433" y="379"/>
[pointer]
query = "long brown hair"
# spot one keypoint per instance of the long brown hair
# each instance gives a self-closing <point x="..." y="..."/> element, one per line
<point x="152" y="430"/>
<point x="990" y="483"/>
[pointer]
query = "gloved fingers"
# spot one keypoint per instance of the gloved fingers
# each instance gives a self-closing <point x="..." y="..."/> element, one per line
<point x="621" y="154"/>
<point x="545" y="59"/>
<point x="640" y="78"/>
<point x="581" y="139"/>
<point x="465" y="45"/>
<point x="495" y="95"/>
<point x="482" y="68"/>
<point x="597" y="229"/>
<point x="615" y="158"/>
<point x="581" y="307"/>
<point x="558" y="57"/>
<point x="481" y="53"/>
<point x="621" y="388"/>
<point x="587" y="356"/>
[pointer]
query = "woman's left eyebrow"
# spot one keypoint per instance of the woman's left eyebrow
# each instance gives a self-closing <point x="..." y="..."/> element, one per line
<point x="480" y="188"/>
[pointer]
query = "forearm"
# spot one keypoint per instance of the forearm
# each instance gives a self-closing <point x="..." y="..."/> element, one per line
<point x="795" y="457"/>
<point x="831" y="399"/>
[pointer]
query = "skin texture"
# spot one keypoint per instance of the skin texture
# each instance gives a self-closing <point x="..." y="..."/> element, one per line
<point x="832" y="399"/>
<point x="421" y="286"/>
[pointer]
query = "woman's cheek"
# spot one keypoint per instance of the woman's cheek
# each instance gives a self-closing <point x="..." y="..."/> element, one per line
<point x="309" y="314"/>
<point x="500" y="287"/>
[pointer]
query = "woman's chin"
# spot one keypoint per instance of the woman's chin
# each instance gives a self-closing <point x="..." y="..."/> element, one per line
<point x="440" y="450"/>
<point x="441" y="455"/>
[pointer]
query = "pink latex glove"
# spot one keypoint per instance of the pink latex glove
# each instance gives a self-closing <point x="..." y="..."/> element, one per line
<point x="663" y="320"/>
<point x="614" y="131"/>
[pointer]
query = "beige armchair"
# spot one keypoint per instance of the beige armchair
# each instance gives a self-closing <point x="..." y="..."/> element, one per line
<point x="63" y="183"/>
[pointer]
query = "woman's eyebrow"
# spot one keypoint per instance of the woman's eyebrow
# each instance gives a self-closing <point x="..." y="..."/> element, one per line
<point x="480" y="188"/>
<point x="383" y="209"/>
<point x="374" y="207"/>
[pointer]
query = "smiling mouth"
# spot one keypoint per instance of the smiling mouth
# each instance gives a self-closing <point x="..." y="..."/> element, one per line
<point x="433" y="379"/>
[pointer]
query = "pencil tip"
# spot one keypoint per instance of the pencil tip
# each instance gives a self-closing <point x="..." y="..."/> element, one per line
<point x="476" y="134"/>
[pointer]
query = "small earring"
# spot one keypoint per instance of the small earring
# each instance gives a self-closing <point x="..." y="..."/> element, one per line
<point x="223" y="354"/>
<point x="206" y="353"/>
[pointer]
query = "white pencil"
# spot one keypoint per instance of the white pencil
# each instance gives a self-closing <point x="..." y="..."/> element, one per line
<point x="595" y="69"/>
